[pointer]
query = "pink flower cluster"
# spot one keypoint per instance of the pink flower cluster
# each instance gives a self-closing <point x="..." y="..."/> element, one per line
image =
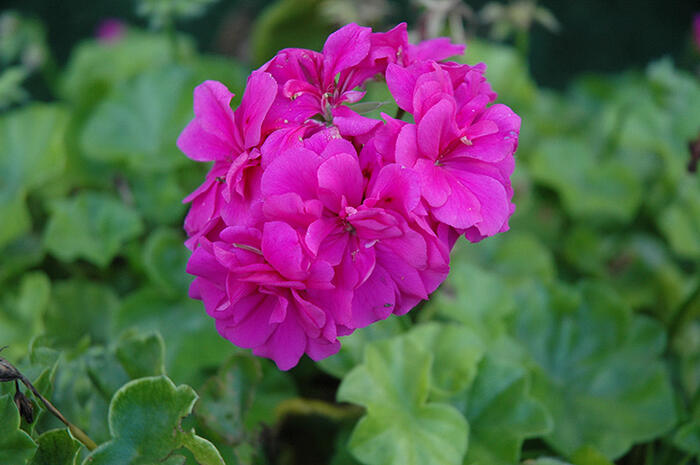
<point x="315" y="220"/>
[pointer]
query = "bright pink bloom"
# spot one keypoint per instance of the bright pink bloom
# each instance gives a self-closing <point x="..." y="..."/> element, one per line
<point x="369" y="233"/>
<point x="258" y="287"/>
<point x="315" y="221"/>
<point x="462" y="149"/>
<point x="229" y="139"/>
<point x="696" y="30"/>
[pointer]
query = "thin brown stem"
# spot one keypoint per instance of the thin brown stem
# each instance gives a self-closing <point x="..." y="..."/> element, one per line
<point x="9" y="373"/>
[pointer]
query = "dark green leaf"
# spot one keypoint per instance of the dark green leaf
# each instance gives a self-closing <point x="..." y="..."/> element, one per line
<point x="401" y="425"/>
<point x="591" y="356"/>
<point x="502" y="414"/>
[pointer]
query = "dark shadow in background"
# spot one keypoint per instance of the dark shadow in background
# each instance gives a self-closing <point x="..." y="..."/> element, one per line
<point x="596" y="35"/>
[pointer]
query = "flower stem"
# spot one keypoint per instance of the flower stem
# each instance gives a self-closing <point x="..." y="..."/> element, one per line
<point x="8" y="372"/>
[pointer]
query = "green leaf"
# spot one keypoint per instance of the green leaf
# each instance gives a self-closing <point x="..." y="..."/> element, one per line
<point x="401" y="425"/>
<point x="158" y="196"/>
<point x="92" y="226"/>
<point x="145" y="423"/>
<point x="456" y="352"/>
<point x="56" y="447"/>
<point x="589" y="188"/>
<point x="680" y="221"/>
<point x="597" y="368"/>
<point x="141" y="355"/>
<point x="95" y="68"/>
<point x="502" y="414"/>
<point x="165" y="259"/>
<point x="15" y="445"/>
<point x="228" y="396"/>
<point x="21" y="313"/>
<point x="588" y="455"/>
<point x="353" y="346"/>
<point x="21" y="254"/>
<point x="687" y="438"/>
<point x="138" y="123"/>
<point x="32" y="153"/>
<point x="80" y="309"/>
<point x="475" y="297"/>
<point x="192" y="343"/>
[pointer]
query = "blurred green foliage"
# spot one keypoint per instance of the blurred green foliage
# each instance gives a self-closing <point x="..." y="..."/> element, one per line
<point x="574" y="338"/>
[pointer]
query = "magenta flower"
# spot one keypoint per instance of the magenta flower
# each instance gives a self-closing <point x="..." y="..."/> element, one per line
<point x="231" y="140"/>
<point x="110" y="30"/>
<point x="696" y="30"/>
<point x="315" y="221"/>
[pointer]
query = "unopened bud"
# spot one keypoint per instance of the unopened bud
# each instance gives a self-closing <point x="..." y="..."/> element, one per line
<point x="24" y="405"/>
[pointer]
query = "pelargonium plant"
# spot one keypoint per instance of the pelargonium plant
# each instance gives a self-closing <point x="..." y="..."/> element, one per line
<point x="315" y="220"/>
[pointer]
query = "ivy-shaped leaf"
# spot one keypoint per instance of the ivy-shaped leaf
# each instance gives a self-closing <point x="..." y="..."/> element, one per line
<point x="145" y="423"/>
<point x="456" y="351"/>
<point x="475" y="297"/>
<point x="56" y="447"/>
<point x="501" y="414"/>
<point x="21" y="313"/>
<point x="597" y="368"/>
<point x="401" y="426"/>
<point x="80" y="309"/>
<point x="32" y="152"/>
<point x="141" y="355"/>
<point x="589" y="188"/>
<point x="16" y="446"/>
<point x="193" y="344"/>
<point x="353" y="346"/>
<point x="680" y="221"/>
<point x="92" y="226"/>
<point x="138" y="123"/>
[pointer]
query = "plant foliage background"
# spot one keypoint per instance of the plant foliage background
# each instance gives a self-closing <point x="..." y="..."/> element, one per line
<point x="573" y="338"/>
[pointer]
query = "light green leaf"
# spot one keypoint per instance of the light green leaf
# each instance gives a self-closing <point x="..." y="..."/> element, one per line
<point x="138" y="123"/>
<point x="15" y="445"/>
<point x="32" y="153"/>
<point x="21" y="313"/>
<point x="56" y="447"/>
<point x="680" y="221"/>
<point x="401" y="425"/>
<point x="95" y="68"/>
<point x="502" y="414"/>
<point x="475" y="297"/>
<point x="597" y="368"/>
<point x="590" y="188"/>
<point x="353" y="346"/>
<point x="204" y="451"/>
<point x="92" y="226"/>
<point x="456" y="352"/>
<point x="145" y="423"/>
